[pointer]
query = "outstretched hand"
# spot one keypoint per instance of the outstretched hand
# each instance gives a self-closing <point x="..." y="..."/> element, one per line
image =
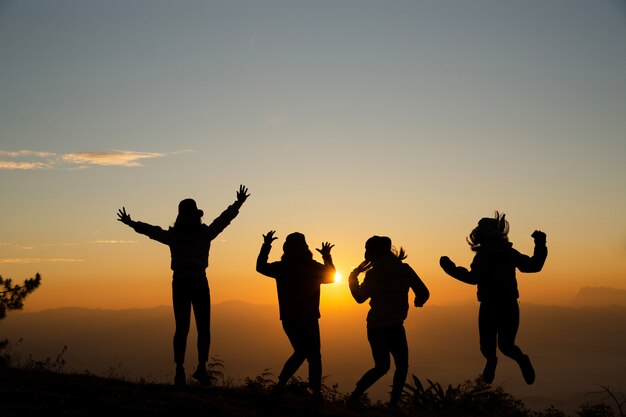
<point x="124" y="217"/>
<point x="269" y="237"/>
<point x="326" y="247"/>
<point x="446" y="263"/>
<point x="242" y="194"/>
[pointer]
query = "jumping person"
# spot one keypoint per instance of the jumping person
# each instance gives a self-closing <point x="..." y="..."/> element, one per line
<point x="189" y="241"/>
<point x="387" y="282"/>
<point x="298" y="279"/>
<point x="493" y="271"/>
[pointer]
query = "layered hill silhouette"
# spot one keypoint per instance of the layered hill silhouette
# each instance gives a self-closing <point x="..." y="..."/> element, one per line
<point x="600" y="296"/>
<point x="575" y="350"/>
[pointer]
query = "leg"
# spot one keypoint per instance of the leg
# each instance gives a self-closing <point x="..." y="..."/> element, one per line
<point x="488" y="330"/>
<point x="507" y="333"/>
<point x="377" y="338"/>
<point x="181" y="301"/>
<point x="201" y="300"/>
<point x="181" y="298"/>
<point x="507" y="330"/>
<point x="314" y="356"/>
<point x="400" y="351"/>
<point x="294" y="333"/>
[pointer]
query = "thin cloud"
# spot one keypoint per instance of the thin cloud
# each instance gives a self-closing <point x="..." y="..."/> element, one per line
<point x="26" y="152"/>
<point x="37" y="160"/>
<point x="111" y="158"/>
<point x="114" y="242"/>
<point x="37" y="260"/>
<point x="23" y="165"/>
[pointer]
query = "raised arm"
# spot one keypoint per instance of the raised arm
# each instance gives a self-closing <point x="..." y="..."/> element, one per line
<point x="218" y="225"/>
<point x="262" y="266"/>
<point x="329" y="267"/>
<point x="360" y="292"/>
<point x="457" y="272"/>
<point x="153" y="232"/>
<point x="535" y="263"/>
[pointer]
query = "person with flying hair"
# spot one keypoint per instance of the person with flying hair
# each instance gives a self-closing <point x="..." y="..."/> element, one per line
<point x="386" y="284"/>
<point x="493" y="272"/>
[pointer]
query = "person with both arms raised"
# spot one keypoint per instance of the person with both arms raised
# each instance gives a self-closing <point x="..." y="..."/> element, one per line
<point x="189" y="241"/>
<point x="298" y="279"/>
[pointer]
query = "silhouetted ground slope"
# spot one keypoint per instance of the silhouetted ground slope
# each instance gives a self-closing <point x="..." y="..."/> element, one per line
<point x="45" y="393"/>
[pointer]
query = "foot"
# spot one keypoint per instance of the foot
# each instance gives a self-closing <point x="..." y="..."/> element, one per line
<point x="528" y="372"/>
<point x="201" y="376"/>
<point x="489" y="373"/>
<point x="318" y="399"/>
<point x="354" y="403"/>
<point x="180" y="379"/>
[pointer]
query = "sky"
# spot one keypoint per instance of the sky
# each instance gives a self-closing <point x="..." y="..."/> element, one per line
<point x="346" y="119"/>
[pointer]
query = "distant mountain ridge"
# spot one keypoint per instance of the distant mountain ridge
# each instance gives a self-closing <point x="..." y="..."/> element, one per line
<point x="600" y="296"/>
<point x="574" y="349"/>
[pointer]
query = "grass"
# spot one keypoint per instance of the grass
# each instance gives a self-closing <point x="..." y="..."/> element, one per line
<point x="42" y="388"/>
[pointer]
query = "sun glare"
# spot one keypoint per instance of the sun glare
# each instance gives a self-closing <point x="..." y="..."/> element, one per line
<point x="338" y="277"/>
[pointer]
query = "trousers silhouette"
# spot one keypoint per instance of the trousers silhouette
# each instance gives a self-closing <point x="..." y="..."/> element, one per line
<point x="304" y="337"/>
<point x="497" y="326"/>
<point x="383" y="342"/>
<point x="187" y="292"/>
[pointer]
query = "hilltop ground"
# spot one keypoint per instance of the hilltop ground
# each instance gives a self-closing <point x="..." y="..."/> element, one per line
<point x="26" y="392"/>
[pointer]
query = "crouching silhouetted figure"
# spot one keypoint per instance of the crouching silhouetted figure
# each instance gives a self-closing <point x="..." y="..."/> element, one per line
<point x="387" y="282"/>
<point x="298" y="279"/>
<point x="493" y="271"/>
<point x="189" y="242"/>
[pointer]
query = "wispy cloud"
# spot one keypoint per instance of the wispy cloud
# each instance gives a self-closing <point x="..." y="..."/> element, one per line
<point x="114" y="242"/>
<point x="23" y="153"/>
<point x="37" y="160"/>
<point x="111" y="158"/>
<point x="37" y="260"/>
<point x="23" y="165"/>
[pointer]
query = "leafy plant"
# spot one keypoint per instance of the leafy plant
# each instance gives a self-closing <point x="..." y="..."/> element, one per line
<point x="474" y="398"/>
<point x="262" y="382"/>
<point x="215" y="370"/>
<point x="595" y="410"/>
<point x="54" y="365"/>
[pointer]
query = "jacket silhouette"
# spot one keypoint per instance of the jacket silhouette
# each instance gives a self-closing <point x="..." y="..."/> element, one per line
<point x="493" y="271"/>
<point x="298" y="279"/>
<point x="189" y="241"/>
<point x="386" y="284"/>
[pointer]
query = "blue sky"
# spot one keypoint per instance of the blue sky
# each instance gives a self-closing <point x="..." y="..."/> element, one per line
<point x="345" y="119"/>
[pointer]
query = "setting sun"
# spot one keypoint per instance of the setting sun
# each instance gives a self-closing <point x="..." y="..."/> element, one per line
<point x="338" y="277"/>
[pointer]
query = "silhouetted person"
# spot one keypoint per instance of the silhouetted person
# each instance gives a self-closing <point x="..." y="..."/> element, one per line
<point x="298" y="279"/>
<point x="189" y="241"/>
<point x="493" y="271"/>
<point x="386" y="284"/>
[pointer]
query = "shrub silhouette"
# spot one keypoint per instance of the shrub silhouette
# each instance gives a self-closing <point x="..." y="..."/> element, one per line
<point x="473" y="398"/>
<point x="12" y="298"/>
<point x="12" y="295"/>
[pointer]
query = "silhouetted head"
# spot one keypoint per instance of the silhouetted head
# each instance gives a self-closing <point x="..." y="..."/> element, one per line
<point x="295" y="246"/>
<point x="187" y="208"/>
<point x="377" y="246"/>
<point x="489" y="230"/>
<point x="189" y="216"/>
